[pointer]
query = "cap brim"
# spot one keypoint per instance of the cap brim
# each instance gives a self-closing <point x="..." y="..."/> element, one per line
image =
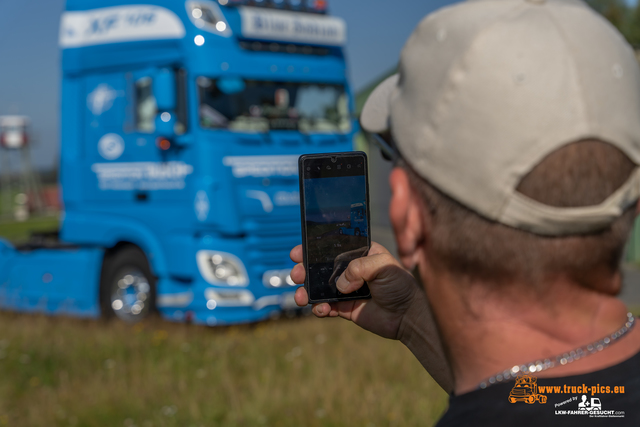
<point x="376" y="111"/>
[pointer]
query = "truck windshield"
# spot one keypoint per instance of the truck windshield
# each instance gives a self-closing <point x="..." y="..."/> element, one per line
<point x="261" y="106"/>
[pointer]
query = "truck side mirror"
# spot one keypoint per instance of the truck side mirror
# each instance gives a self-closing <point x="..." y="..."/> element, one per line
<point x="165" y="124"/>
<point x="164" y="90"/>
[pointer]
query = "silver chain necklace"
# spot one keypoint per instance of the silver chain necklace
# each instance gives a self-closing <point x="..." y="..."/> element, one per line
<point x="561" y="359"/>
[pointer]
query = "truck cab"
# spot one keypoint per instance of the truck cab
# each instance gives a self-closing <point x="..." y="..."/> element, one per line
<point x="358" y="221"/>
<point x="181" y="126"/>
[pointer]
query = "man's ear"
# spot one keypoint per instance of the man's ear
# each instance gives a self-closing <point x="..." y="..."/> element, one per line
<point x="407" y="218"/>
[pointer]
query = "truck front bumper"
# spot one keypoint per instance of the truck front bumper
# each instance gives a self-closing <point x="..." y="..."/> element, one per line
<point x="266" y="291"/>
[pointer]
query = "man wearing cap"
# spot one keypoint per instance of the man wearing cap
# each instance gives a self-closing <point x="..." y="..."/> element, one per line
<point x="516" y="129"/>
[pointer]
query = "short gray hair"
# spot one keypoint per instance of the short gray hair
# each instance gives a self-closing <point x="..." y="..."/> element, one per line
<point x="583" y="173"/>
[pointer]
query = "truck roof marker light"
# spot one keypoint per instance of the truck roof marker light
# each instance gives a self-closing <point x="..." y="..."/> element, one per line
<point x="320" y="5"/>
<point x="199" y="40"/>
<point x="207" y="16"/>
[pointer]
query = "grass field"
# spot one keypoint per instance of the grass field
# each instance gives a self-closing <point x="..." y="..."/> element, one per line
<point x="299" y="372"/>
<point x="18" y="232"/>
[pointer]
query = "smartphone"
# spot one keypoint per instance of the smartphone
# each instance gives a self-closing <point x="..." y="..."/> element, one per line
<point x="334" y="206"/>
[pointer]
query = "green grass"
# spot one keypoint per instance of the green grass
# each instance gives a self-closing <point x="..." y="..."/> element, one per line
<point x="301" y="372"/>
<point x="18" y="232"/>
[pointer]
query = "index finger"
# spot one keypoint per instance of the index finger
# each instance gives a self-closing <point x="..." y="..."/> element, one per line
<point x="296" y="254"/>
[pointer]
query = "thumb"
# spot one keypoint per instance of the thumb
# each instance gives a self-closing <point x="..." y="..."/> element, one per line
<point x="368" y="269"/>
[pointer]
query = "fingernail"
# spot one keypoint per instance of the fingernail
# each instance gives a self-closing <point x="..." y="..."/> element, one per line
<point x="319" y="310"/>
<point x="342" y="288"/>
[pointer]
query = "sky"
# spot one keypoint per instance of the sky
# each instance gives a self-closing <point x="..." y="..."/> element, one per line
<point x="29" y="55"/>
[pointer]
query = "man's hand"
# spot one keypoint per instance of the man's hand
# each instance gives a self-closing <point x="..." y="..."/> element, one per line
<point x="398" y="308"/>
<point x="392" y="291"/>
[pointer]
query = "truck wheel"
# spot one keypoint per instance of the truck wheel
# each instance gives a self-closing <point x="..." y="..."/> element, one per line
<point x="127" y="287"/>
<point x="357" y="232"/>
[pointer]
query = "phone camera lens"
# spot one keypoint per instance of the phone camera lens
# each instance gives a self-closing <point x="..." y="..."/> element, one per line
<point x="334" y="159"/>
<point x="348" y="166"/>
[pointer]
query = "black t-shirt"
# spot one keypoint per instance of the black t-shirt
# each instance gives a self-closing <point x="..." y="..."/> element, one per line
<point x="578" y="400"/>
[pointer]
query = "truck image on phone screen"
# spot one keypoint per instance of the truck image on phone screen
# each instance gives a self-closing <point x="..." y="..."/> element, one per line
<point x="358" y="225"/>
<point x="181" y="126"/>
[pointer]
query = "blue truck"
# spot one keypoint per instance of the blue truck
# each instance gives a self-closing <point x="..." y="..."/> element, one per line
<point x="181" y="125"/>
<point x="358" y="221"/>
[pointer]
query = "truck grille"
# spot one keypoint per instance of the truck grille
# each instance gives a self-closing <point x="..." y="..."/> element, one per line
<point x="269" y="242"/>
<point x="298" y="49"/>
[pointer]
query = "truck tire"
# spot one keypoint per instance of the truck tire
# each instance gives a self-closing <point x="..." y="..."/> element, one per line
<point x="127" y="286"/>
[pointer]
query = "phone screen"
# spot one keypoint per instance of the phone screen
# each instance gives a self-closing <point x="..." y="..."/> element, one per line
<point x="336" y="218"/>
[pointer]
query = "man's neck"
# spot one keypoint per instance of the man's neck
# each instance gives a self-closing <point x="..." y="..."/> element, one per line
<point x="489" y="328"/>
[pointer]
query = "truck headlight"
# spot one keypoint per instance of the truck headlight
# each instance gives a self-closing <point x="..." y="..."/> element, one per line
<point x="220" y="268"/>
<point x="277" y="279"/>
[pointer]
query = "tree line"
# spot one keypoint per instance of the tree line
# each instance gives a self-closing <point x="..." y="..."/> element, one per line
<point x="625" y="17"/>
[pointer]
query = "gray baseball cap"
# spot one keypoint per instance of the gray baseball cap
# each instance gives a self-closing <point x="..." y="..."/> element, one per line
<point x="488" y="88"/>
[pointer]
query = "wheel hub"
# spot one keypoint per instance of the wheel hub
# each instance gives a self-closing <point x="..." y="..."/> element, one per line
<point x="130" y="295"/>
